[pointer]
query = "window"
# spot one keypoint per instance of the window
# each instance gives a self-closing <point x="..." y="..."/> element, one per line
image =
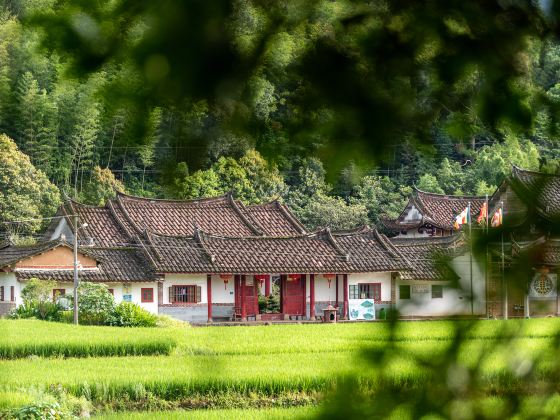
<point x="404" y="291"/>
<point x="353" y="292"/>
<point x="2" y="293"/>
<point x="147" y="294"/>
<point x="370" y="291"/>
<point x="112" y="291"/>
<point x="56" y="293"/>
<point x="184" y="294"/>
<point x="365" y="291"/>
<point x="437" y="291"/>
<point x="12" y="294"/>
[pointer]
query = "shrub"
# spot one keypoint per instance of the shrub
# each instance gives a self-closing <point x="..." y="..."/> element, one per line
<point x="47" y="311"/>
<point x="37" y="302"/>
<point x="127" y="314"/>
<point x="95" y="303"/>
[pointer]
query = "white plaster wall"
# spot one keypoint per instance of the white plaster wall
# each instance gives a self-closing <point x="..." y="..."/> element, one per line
<point x="454" y="301"/>
<point x="456" y="295"/>
<point x="7" y="280"/>
<point x="412" y="215"/>
<point x="383" y="278"/>
<point x="461" y="265"/>
<point x="191" y="280"/>
<point x="322" y="291"/>
<point x="135" y="291"/>
<point x="220" y="293"/>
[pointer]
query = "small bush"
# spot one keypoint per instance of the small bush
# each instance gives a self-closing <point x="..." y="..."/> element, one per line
<point x="127" y="314"/>
<point x="46" y="311"/>
<point x="95" y="303"/>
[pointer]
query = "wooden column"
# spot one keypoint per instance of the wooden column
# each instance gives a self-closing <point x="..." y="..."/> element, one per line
<point x="267" y="290"/>
<point x="304" y="290"/>
<point x="312" y="297"/>
<point x="209" y="293"/>
<point x="336" y="285"/>
<point x="283" y="278"/>
<point x="345" y="285"/>
<point x="243" y="306"/>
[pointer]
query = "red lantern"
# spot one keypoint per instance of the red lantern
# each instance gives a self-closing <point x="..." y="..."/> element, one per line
<point x="329" y="278"/>
<point x="293" y="277"/>
<point x="225" y="278"/>
<point x="261" y="278"/>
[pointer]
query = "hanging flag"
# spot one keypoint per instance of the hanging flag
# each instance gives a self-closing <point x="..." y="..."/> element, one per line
<point x="462" y="219"/>
<point x="483" y="213"/>
<point x="497" y="218"/>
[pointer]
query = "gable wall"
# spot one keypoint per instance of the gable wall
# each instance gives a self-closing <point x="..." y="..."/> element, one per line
<point x="61" y="257"/>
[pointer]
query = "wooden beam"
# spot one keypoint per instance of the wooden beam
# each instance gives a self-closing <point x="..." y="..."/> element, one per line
<point x="345" y="285"/>
<point x="209" y="293"/>
<point x="312" y="297"/>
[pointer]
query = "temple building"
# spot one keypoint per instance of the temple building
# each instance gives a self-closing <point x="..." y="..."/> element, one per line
<point x="216" y="259"/>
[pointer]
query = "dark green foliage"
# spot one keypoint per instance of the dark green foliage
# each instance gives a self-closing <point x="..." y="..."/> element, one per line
<point x="95" y="303"/>
<point x="127" y="314"/>
<point x="46" y="311"/>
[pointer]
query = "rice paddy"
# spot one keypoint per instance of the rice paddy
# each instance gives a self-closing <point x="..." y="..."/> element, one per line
<point x="24" y="338"/>
<point x="278" y="367"/>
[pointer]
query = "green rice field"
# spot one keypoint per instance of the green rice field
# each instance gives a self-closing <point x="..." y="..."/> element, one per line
<point x="280" y="371"/>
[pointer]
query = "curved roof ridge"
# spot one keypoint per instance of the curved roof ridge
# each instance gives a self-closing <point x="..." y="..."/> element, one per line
<point x="127" y="216"/>
<point x="170" y="200"/>
<point x="199" y="238"/>
<point x="347" y="232"/>
<point x="291" y="217"/>
<point x="462" y="197"/>
<point x="252" y="225"/>
<point x="516" y="169"/>
<point x="152" y="246"/>
<point x="109" y="204"/>
<point x="330" y="238"/>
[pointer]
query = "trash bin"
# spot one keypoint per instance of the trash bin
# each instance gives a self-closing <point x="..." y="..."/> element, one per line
<point x="329" y="314"/>
<point x="382" y="313"/>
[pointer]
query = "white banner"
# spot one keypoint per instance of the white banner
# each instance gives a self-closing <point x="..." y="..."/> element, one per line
<point x="362" y="309"/>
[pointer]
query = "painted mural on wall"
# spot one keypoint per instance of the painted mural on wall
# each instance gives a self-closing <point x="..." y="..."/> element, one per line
<point x="362" y="309"/>
<point x="543" y="285"/>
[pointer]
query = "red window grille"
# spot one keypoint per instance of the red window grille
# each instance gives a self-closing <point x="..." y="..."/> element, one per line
<point x="185" y="294"/>
<point x="147" y="294"/>
<point x="12" y="293"/>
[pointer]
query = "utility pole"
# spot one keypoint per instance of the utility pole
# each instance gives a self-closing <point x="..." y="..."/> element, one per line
<point x="470" y="258"/>
<point x="76" y="281"/>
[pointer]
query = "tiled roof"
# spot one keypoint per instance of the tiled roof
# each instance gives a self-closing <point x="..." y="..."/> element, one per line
<point x="370" y="250"/>
<point x="319" y="252"/>
<point x="219" y="215"/>
<point x="545" y="251"/>
<point x="541" y="190"/>
<point x="428" y="257"/>
<point x="440" y="210"/>
<point x="275" y="219"/>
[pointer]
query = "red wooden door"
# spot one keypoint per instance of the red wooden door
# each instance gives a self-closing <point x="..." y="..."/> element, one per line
<point x="293" y="297"/>
<point x="251" y="298"/>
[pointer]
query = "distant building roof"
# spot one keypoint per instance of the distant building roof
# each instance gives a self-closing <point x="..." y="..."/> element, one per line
<point x="429" y="257"/>
<point x="438" y="210"/>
